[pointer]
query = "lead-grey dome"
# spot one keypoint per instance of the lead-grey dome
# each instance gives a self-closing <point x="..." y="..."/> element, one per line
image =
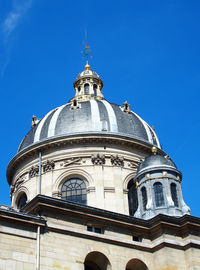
<point x="92" y="116"/>
<point x="156" y="162"/>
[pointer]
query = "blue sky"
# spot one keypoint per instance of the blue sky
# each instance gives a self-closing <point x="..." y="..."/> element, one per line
<point x="146" y="52"/>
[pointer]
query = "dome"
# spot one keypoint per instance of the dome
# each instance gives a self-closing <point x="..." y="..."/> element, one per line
<point x="90" y="117"/>
<point x="156" y="162"/>
<point x="89" y="113"/>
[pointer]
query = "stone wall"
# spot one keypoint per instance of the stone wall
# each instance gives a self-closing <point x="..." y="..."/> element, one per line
<point x="64" y="251"/>
<point x="65" y="245"/>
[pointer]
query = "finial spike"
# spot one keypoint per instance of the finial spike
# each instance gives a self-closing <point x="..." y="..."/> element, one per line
<point x="87" y="66"/>
<point x="86" y="51"/>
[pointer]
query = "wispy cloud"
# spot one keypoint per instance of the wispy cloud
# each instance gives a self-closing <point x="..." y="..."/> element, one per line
<point x="5" y="59"/>
<point x="18" y="11"/>
<point x="7" y="28"/>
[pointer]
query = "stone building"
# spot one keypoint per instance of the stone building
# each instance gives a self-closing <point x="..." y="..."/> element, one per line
<point x="91" y="188"/>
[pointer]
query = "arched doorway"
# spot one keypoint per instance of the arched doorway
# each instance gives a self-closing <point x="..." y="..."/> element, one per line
<point x="96" y="261"/>
<point x="136" y="264"/>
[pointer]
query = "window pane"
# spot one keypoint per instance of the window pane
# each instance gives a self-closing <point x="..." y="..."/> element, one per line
<point x="144" y="198"/>
<point x="95" y="89"/>
<point x="86" y="89"/>
<point x="97" y="230"/>
<point x="158" y="192"/>
<point x="74" y="190"/>
<point x="83" y="191"/>
<point x="68" y="193"/>
<point x="89" y="228"/>
<point x="73" y="180"/>
<point x="78" y="192"/>
<point x="22" y="201"/>
<point x="174" y="194"/>
<point x="132" y="197"/>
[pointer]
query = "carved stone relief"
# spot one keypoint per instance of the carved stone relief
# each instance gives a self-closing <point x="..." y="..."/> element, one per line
<point x="71" y="161"/>
<point x="133" y="164"/>
<point x="98" y="159"/>
<point x="34" y="171"/>
<point x="48" y="165"/>
<point x="117" y="161"/>
<point x="18" y="182"/>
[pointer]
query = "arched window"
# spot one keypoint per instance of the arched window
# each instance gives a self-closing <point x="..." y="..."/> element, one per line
<point x="74" y="190"/>
<point x="174" y="194"/>
<point x="95" y="89"/>
<point x="144" y="197"/>
<point x="132" y="197"/>
<point x="79" y="89"/>
<point x="158" y="192"/>
<point x="21" y="202"/>
<point x="86" y="89"/>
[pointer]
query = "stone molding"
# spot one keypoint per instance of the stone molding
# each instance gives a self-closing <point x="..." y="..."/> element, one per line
<point x="91" y="189"/>
<point x="109" y="189"/>
<point x="125" y="191"/>
<point x="56" y="194"/>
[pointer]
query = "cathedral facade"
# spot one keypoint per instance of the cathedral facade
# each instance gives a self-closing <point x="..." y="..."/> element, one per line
<point x="91" y="188"/>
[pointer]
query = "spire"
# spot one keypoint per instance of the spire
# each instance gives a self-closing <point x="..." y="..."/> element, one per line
<point x="88" y="85"/>
<point x="86" y="52"/>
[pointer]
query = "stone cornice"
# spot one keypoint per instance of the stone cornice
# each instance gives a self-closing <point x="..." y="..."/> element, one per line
<point x="14" y="216"/>
<point x="149" y="229"/>
<point x="180" y="227"/>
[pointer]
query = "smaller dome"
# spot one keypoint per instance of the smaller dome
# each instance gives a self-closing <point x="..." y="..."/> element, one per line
<point x="88" y="74"/>
<point x="156" y="162"/>
<point x="88" y="85"/>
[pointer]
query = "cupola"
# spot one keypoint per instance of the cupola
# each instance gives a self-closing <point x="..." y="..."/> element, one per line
<point x="158" y="183"/>
<point x="88" y="85"/>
